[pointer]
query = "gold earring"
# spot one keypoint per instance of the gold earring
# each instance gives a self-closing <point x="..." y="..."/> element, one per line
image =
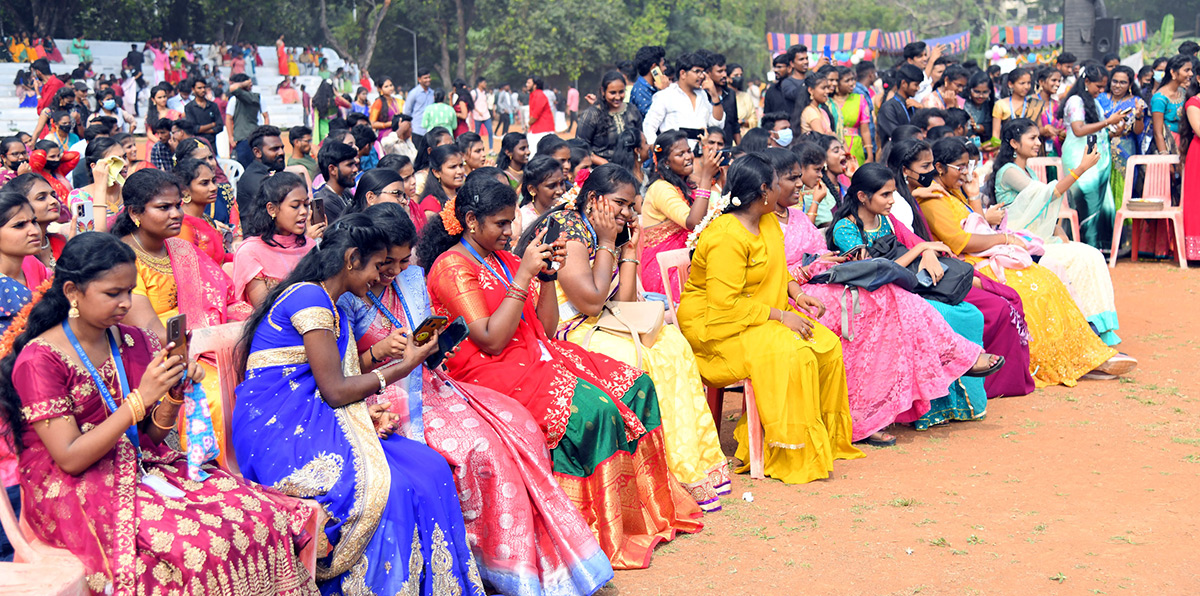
<point x="187" y="199"/>
<point x="74" y="312"/>
<point x="137" y="222"/>
<point x="349" y="266"/>
<point x="471" y="228"/>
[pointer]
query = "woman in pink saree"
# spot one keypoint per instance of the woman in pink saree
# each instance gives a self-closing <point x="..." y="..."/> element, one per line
<point x="277" y="236"/>
<point x="200" y="191"/>
<point x="526" y="534"/>
<point x="675" y="202"/>
<point x="900" y="354"/>
<point x="113" y="493"/>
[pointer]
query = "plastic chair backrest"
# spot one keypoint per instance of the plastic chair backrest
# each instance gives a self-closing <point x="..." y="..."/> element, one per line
<point x="1041" y="166"/>
<point x="233" y="171"/>
<point x="1158" y="176"/>
<point x="677" y="263"/>
<point x="12" y="529"/>
<point x="221" y="340"/>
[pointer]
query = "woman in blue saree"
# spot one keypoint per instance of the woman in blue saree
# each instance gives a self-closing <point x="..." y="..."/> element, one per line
<point x="302" y="426"/>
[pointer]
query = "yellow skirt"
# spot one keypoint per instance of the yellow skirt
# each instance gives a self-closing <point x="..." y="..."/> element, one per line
<point x="1062" y="347"/>
<point x="801" y="393"/>
<point x="693" y="448"/>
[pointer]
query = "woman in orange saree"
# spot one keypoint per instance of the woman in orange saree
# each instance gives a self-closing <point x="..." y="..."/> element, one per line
<point x="600" y="417"/>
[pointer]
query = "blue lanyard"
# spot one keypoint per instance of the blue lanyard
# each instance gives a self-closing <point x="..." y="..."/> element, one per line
<point x="1013" y="109"/>
<point x="507" y="279"/>
<point x="903" y="106"/>
<point x="101" y="387"/>
<point x="378" y="301"/>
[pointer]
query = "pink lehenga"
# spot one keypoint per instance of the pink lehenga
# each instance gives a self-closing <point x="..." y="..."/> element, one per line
<point x="527" y="536"/>
<point x="900" y="353"/>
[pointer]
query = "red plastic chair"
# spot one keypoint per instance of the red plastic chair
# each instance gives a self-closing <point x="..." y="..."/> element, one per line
<point x="1040" y="165"/>
<point x="678" y="263"/>
<point x="37" y="568"/>
<point x="1158" y="186"/>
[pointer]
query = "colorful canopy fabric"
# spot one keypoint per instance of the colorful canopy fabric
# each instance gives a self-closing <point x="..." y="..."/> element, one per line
<point x="893" y="43"/>
<point x="1031" y="36"/>
<point x="816" y="42"/>
<point x="1133" y="32"/>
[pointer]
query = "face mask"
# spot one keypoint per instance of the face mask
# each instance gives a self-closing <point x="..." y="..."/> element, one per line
<point x="110" y="104"/>
<point x="51" y="166"/>
<point x="783" y="137"/>
<point x="924" y="180"/>
<point x="1158" y="75"/>
<point x="737" y="83"/>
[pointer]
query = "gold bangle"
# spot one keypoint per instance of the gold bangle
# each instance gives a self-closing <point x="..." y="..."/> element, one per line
<point x="135" y="403"/>
<point x="1073" y="174"/>
<point x="154" y="421"/>
<point x="382" y="382"/>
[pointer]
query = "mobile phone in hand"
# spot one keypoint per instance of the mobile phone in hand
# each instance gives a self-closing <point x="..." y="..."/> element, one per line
<point x="318" y="212"/>
<point x="1091" y="143"/>
<point x="177" y="334"/>
<point x="428" y="327"/>
<point x="85" y="216"/>
<point x="453" y="334"/>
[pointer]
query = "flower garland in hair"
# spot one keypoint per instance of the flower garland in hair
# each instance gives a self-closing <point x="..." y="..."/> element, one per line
<point x="716" y="206"/>
<point x="449" y="219"/>
<point x="570" y="197"/>
<point x="19" y="322"/>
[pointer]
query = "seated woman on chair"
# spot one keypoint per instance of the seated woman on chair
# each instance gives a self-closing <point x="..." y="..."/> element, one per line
<point x="278" y="235"/>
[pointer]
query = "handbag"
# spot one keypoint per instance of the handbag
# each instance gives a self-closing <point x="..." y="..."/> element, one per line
<point x="869" y="274"/>
<point x="951" y="289"/>
<point x="642" y="321"/>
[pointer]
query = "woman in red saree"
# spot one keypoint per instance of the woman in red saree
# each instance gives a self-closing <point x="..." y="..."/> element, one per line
<point x="200" y="191"/>
<point x="277" y="237"/>
<point x="675" y="202"/>
<point x="113" y="494"/>
<point x="173" y="276"/>
<point x="600" y="417"/>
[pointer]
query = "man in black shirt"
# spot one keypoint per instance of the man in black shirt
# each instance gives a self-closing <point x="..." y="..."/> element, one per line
<point x="203" y="113"/>
<point x="895" y="111"/>
<point x="773" y="99"/>
<point x="134" y="59"/>
<point x="267" y="145"/>
<point x="339" y="164"/>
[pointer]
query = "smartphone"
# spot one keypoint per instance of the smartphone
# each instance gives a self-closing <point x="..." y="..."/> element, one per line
<point x="1091" y="143"/>
<point x="428" y="327"/>
<point x="85" y="216"/>
<point x="318" y="212"/>
<point x="726" y="156"/>
<point x="623" y="237"/>
<point x="828" y="54"/>
<point x="177" y="334"/>
<point x="454" y="333"/>
<point x="854" y="250"/>
<point x="553" y="231"/>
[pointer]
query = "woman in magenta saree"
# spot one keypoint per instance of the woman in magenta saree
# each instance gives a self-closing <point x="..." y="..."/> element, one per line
<point x="600" y="417"/>
<point x="527" y="536"/>
<point x="129" y="510"/>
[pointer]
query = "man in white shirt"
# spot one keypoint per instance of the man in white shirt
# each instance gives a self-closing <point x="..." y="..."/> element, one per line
<point x="399" y="141"/>
<point x="692" y="102"/>
<point x="480" y="111"/>
<point x="919" y="55"/>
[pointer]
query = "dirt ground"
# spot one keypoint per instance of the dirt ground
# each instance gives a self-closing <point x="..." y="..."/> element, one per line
<point x="1084" y="490"/>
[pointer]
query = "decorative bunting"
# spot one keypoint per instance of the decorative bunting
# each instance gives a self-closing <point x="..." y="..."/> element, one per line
<point x="1133" y="32"/>
<point x="778" y="43"/>
<point x="1031" y="36"/>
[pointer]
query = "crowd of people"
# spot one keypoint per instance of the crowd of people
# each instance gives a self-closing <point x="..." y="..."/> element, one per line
<point x="475" y="372"/>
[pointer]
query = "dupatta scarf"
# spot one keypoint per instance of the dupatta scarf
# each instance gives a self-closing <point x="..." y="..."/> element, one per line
<point x="208" y="299"/>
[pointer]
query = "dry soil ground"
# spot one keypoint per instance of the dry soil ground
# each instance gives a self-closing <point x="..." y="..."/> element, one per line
<point x="1084" y="490"/>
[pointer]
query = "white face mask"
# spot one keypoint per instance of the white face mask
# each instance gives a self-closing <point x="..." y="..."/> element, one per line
<point x="1158" y="75"/>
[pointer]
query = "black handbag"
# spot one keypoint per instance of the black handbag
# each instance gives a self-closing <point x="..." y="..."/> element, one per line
<point x="951" y="289"/>
<point x="869" y="274"/>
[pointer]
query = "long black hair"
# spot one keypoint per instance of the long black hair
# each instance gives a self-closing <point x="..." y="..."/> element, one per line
<point x="508" y="145"/>
<point x="1090" y="73"/>
<point x="257" y="221"/>
<point x="745" y="179"/>
<point x="354" y="232"/>
<point x="140" y="188"/>
<point x="374" y="180"/>
<point x="537" y="171"/>
<point x="868" y="179"/>
<point x="84" y="258"/>
<point x="188" y="169"/>
<point x="395" y="223"/>
<point x="1012" y="130"/>
<point x="603" y="180"/>
<point x="437" y="158"/>
<point x="96" y="148"/>
<point x="482" y="195"/>
<point x="625" y="153"/>
<point x="662" y="168"/>
<point x="903" y="155"/>
<point x="432" y="138"/>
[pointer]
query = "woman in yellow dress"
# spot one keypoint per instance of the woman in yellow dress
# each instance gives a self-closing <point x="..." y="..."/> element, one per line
<point x="736" y="312"/>
<point x="173" y="276"/>
<point x="1062" y="346"/>
<point x="602" y="265"/>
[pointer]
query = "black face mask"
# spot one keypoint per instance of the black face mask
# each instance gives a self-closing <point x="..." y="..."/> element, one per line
<point x="737" y="83"/>
<point x="14" y="165"/>
<point x="52" y="166"/>
<point x="924" y="180"/>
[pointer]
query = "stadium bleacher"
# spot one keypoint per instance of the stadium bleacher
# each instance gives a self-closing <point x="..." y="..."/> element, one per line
<point x="107" y="57"/>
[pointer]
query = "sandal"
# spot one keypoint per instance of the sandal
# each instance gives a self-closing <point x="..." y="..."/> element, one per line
<point x="995" y="363"/>
<point x="880" y="439"/>
<point x="1118" y="365"/>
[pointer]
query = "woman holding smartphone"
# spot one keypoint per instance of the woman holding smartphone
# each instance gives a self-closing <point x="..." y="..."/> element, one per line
<point x="488" y="438"/>
<point x="1088" y="128"/>
<point x="104" y="193"/>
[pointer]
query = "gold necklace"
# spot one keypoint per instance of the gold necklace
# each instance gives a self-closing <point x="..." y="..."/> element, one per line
<point x="155" y="262"/>
<point x="337" y="321"/>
